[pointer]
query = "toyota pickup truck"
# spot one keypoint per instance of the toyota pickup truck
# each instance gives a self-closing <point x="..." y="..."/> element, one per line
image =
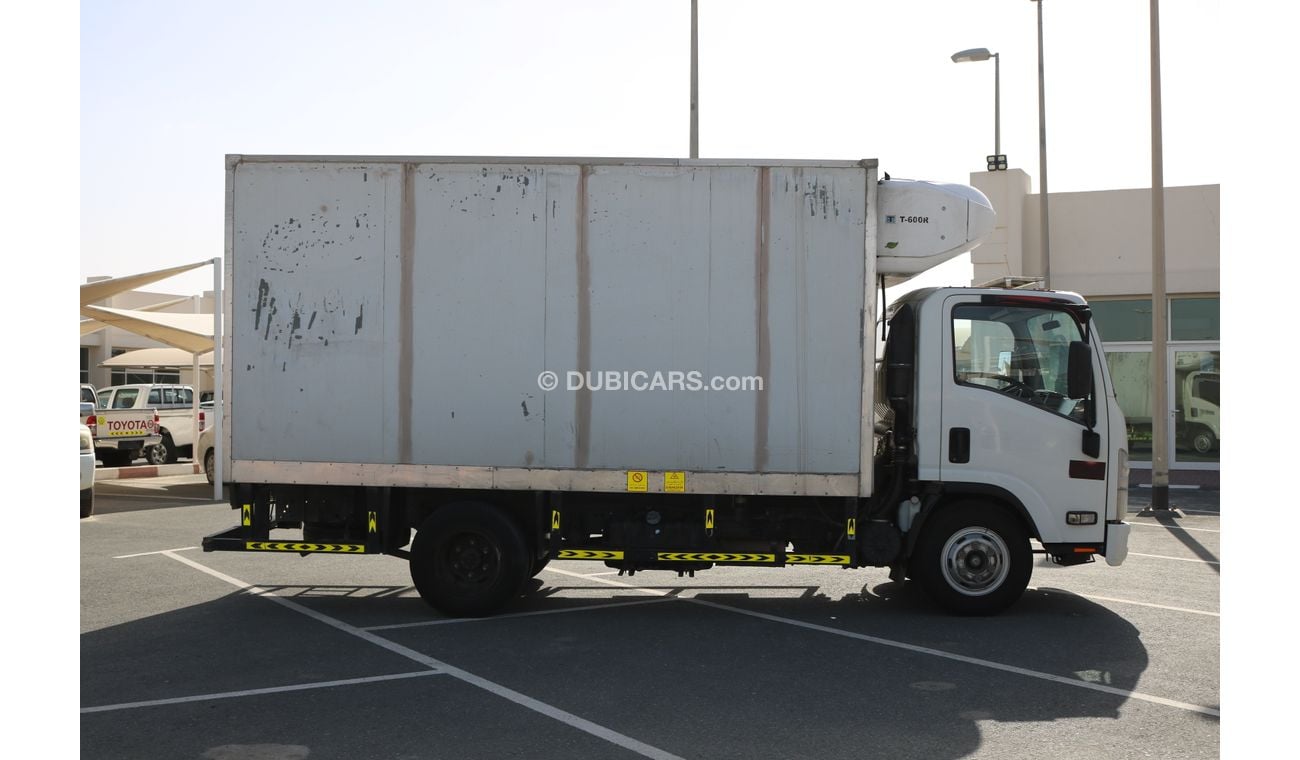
<point x="120" y="434"/>
<point x="173" y="406"/>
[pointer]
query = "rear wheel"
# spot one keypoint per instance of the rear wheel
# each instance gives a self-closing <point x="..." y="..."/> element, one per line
<point x="155" y="455"/>
<point x="468" y="559"/>
<point x="973" y="558"/>
<point x="210" y="465"/>
<point x="87" y="502"/>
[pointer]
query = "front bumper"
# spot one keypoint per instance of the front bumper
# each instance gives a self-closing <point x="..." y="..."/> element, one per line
<point x="1117" y="534"/>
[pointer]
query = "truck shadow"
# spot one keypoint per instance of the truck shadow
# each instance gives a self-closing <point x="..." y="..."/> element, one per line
<point x="778" y="669"/>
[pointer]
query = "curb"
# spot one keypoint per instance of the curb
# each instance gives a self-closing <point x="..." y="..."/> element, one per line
<point x="146" y="471"/>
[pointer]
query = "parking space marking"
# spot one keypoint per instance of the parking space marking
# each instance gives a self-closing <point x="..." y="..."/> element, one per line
<point x="256" y="692"/>
<point x="933" y="652"/>
<point x="965" y="659"/>
<point x="1175" y="527"/>
<point x="161" y="551"/>
<point x="605" y="581"/>
<point x="560" y="611"/>
<point x="1179" y="559"/>
<point x="1124" y="601"/>
<point x="523" y="700"/>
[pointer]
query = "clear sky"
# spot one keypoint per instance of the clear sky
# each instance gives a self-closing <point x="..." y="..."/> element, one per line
<point x="167" y="89"/>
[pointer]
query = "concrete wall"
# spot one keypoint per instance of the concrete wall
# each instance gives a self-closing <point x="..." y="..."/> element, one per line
<point x="1100" y="241"/>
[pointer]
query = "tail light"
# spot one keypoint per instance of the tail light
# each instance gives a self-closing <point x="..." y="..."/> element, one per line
<point x="203" y="421"/>
<point x="92" y="422"/>
<point x="156" y="422"/>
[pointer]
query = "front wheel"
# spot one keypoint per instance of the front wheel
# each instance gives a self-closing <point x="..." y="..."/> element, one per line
<point x="468" y="559"/>
<point x="973" y="558"/>
<point x="1204" y="441"/>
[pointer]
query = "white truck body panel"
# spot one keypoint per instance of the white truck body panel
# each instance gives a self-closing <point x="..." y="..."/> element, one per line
<point x="390" y="318"/>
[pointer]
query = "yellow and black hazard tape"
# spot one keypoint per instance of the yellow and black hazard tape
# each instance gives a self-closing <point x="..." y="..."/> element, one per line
<point x="817" y="559"/>
<point x="588" y="554"/>
<point x="294" y="546"/>
<point x="713" y="557"/>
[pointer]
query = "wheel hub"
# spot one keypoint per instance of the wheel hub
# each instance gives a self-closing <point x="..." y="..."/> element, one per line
<point x="975" y="561"/>
<point x="471" y="559"/>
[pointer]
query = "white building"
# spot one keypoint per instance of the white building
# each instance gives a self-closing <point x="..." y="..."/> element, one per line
<point x="1100" y="246"/>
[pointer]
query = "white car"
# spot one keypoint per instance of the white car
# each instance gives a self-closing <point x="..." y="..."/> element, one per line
<point x="206" y="454"/>
<point x="87" y="472"/>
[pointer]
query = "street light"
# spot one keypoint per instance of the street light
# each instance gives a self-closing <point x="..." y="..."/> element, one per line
<point x="997" y="161"/>
<point x="1042" y="157"/>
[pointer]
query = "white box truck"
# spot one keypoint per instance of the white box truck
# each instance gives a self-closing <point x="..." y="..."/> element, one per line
<point x="660" y="364"/>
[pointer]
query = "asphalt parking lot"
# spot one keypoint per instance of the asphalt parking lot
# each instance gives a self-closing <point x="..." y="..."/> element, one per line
<point x="229" y="656"/>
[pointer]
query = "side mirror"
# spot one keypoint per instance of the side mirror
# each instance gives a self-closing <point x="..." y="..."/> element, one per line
<point x="1079" y="374"/>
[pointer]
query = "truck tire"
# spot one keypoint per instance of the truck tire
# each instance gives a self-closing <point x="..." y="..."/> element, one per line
<point x="468" y="559"/>
<point x="973" y="558"/>
<point x="210" y="465"/>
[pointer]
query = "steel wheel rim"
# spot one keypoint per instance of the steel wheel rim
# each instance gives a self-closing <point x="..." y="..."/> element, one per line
<point x="471" y="558"/>
<point x="975" y="561"/>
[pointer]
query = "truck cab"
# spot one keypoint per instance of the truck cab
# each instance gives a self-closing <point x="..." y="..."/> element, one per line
<point x="1003" y="411"/>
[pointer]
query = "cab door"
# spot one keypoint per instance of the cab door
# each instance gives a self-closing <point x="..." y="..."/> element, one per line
<point x="1006" y="420"/>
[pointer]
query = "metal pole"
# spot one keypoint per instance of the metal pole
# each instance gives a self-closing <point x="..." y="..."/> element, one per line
<point x="1042" y="156"/>
<point x="997" y="105"/>
<point x="695" y="80"/>
<point x="218" y="404"/>
<point x="1160" y="411"/>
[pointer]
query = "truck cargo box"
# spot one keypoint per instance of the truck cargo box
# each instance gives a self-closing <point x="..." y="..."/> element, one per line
<point x="401" y="314"/>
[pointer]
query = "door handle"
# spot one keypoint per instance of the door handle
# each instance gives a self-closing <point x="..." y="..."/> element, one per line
<point x="959" y="445"/>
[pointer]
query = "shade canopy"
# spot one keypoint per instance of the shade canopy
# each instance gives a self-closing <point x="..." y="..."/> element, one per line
<point x="94" y="292"/>
<point x="190" y="332"/>
<point x="157" y="357"/>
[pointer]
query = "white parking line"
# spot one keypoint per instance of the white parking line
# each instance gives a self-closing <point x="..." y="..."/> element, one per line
<point x="606" y="581"/>
<point x="1179" y="559"/>
<point x="1123" y="601"/>
<point x="523" y="700"/>
<point x="964" y="659"/>
<point x="256" y="692"/>
<point x="558" y="611"/>
<point x="926" y="650"/>
<point x="162" y="551"/>
<point x="1175" y="527"/>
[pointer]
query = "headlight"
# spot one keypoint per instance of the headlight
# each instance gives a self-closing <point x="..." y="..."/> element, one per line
<point x="87" y="443"/>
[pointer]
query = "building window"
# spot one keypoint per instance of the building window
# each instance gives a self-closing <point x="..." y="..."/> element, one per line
<point x="1129" y="320"/>
<point x="1194" y="319"/>
<point x="85" y="365"/>
<point x="1123" y="321"/>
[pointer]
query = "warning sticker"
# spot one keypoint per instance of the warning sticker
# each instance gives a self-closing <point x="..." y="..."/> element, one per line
<point x="675" y="482"/>
<point x="637" y="480"/>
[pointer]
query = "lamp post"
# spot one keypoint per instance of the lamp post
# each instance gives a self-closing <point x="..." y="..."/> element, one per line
<point x="997" y="161"/>
<point x="695" y="80"/>
<point x="1042" y="156"/>
<point x="1159" y="302"/>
